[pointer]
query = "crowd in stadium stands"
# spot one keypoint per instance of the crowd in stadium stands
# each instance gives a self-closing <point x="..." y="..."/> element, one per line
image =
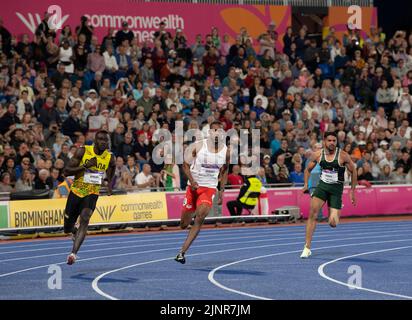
<point x="57" y="90"/>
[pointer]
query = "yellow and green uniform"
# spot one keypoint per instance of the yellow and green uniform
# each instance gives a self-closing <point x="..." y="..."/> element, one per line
<point x="90" y="181"/>
<point x="250" y="192"/>
<point x="332" y="179"/>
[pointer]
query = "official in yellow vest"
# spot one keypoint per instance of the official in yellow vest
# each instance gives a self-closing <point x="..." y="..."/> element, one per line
<point x="88" y="166"/>
<point x="247" y="198"/>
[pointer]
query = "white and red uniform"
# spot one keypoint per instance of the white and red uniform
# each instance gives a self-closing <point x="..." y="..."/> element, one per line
<point x="205" y="171"/>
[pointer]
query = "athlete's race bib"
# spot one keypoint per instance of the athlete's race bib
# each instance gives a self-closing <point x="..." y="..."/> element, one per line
<point x="329" y="176"/>
<point x="93" y="177"/>
<point x="209" y="172"/>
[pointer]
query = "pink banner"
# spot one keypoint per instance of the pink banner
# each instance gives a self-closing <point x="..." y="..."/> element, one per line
<point x="378" y="200"/>
<point x="394" y="200"/>
<point x="144" y="18"/>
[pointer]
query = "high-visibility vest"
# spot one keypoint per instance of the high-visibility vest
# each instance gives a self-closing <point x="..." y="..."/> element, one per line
<point x="250" y="198"/>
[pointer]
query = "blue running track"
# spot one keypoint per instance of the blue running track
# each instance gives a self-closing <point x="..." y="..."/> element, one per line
<point x="223" y="264"/>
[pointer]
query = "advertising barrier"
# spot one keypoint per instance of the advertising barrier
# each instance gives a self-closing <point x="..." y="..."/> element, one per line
<point x="161" y="206"/>
<point x="109" y="210"/>
<point x="378" y="200"/>
<point x="144" y="18"/>
<point x="4" y="214"/>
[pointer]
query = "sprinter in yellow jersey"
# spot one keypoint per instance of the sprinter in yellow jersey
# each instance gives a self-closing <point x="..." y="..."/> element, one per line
<point x="88" y="165"/>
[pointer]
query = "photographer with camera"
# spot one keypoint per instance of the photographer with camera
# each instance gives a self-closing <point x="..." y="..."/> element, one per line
<point x="86" y="29"/>
<point x="162" y="35"/>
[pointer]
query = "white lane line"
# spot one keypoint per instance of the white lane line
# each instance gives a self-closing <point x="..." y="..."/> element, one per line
<point x="205" y="232"/>
<point x="177" y="248"/>
<point x="323" y="274"/>
<point x="182" y="235"/>
<point x="212" y="279"/>
<point x="266" y="236"/>
<point x="95" y="282"/>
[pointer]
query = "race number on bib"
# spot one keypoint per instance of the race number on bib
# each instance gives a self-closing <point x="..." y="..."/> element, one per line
<point x="329" y="176"/>
<point x="213" y="173"/>
<point x="93" y="177"/>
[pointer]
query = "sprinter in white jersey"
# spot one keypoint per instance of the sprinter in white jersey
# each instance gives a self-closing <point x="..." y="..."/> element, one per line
<point x="207" y="171"/>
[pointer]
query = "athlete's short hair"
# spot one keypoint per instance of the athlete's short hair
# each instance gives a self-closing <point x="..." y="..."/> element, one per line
<point x="330" y="133"/>
<point x="105" y="132"/>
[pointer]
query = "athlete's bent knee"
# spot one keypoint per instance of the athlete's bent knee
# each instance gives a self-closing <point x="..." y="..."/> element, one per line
<point x="183" y="225"/>
<point x="85" y="216"/>
<point x="313" y="213"/>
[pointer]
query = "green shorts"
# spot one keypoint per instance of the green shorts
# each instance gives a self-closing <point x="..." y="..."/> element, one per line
<point x="330" y="193"/>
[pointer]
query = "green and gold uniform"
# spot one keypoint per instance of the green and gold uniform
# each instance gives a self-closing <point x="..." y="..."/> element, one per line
<point x="85" y="189"/>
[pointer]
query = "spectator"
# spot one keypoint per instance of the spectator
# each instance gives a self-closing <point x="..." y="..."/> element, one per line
<point x="125" y="182"/>
<point x="144" y="179"/>
<point x="296" y="176"/>
<point x="234" y="179"/>
<point x="141" y="150"/>
<point x="43" y="181"/>
<point x="171" y="177"/>
<point x="96" y="61"/>
<point x="5" y="183"/>
<point x="364" y="172"/>
<point x="71" y="127"/>
<point x="280" y="170"/>
<point x="124" y="34"/>
<point x="25" y="182"/>
<point x="48" y="113"/>
<point x="131" y="168"/>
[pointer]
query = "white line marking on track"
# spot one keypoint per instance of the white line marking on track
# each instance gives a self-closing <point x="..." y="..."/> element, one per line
<point x="181" y="236"/>
<point x="266" y="236"/>
<point x="102" y="293"/>
<point x="218" y="284"/>
<point x="205" y="233"/>
<point x="323" y="274"/>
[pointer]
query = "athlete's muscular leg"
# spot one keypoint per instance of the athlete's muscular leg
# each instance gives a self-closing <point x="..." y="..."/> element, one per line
<point x="85" y="216"/>
<point x="334" y="215"/>
<point x="315" y="205"/>
<point x="201" y="213"/>
<point x="185" y="219"/>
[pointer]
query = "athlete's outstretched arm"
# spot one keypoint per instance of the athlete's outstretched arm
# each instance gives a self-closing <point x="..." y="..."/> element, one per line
<point x="110" y="175"/>
<point x="73" y="167"/>
<point x="354" y="176"/>
<point x="314" y="159"/>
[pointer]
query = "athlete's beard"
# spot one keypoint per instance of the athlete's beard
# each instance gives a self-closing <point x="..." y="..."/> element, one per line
<point x="331" y="148"/>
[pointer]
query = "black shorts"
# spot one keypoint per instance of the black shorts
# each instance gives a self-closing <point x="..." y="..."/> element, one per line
<point x="74" y="206"/>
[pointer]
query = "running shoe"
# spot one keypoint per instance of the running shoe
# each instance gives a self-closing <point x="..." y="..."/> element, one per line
<point x="306" y="253"/>
<point x="181" y="258"/>
<point x="71" y="259"/>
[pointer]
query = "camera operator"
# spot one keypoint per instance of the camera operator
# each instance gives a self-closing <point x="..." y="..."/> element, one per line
<point x="86" y="29"/>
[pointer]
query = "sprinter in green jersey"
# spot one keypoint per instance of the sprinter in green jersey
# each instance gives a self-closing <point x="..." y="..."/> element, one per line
<point x="333" y="163"/>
